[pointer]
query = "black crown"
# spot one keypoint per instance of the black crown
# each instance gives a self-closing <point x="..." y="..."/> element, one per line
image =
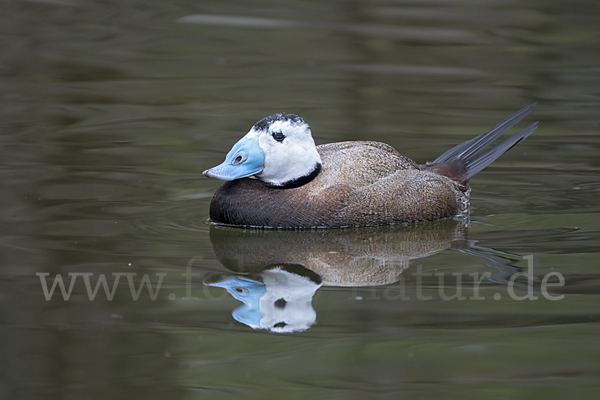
<point x="264" y="123"/>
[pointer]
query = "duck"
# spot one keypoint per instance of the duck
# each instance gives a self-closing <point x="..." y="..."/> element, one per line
<point x="276" y="177"/>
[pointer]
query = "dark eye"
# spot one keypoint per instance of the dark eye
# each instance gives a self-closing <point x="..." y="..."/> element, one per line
<point x="239" y="159"/>
<point x="278" y="136"/>
<point x="280" y="303"/>
<point x="241" y="290"/>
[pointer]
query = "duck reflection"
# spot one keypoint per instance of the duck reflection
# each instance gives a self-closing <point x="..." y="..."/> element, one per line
<point x="282" y="270"/>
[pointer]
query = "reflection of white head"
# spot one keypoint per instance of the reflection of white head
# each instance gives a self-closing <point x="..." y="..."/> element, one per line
<point x="278" y="301"/>
<point x="287" y="303"/>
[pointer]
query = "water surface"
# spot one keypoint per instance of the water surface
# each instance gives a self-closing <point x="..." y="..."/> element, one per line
<point x="110" y="111"/>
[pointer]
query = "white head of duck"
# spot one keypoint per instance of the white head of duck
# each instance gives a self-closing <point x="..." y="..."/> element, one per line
<point x="278" y="150"/>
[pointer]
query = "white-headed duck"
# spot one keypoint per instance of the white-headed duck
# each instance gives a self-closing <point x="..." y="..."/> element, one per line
<point x="278" y="178"/>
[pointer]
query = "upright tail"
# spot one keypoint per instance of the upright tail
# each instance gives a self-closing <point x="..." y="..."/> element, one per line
<point x="460" y="163"/>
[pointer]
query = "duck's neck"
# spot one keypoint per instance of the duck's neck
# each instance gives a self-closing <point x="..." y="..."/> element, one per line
<point x="303" y="180"/>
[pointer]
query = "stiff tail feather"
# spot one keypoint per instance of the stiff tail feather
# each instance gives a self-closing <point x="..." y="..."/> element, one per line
<point x="460" y="163"/>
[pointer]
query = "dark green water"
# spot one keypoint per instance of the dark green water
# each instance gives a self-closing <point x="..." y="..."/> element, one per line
<point x="110" y="111"/>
